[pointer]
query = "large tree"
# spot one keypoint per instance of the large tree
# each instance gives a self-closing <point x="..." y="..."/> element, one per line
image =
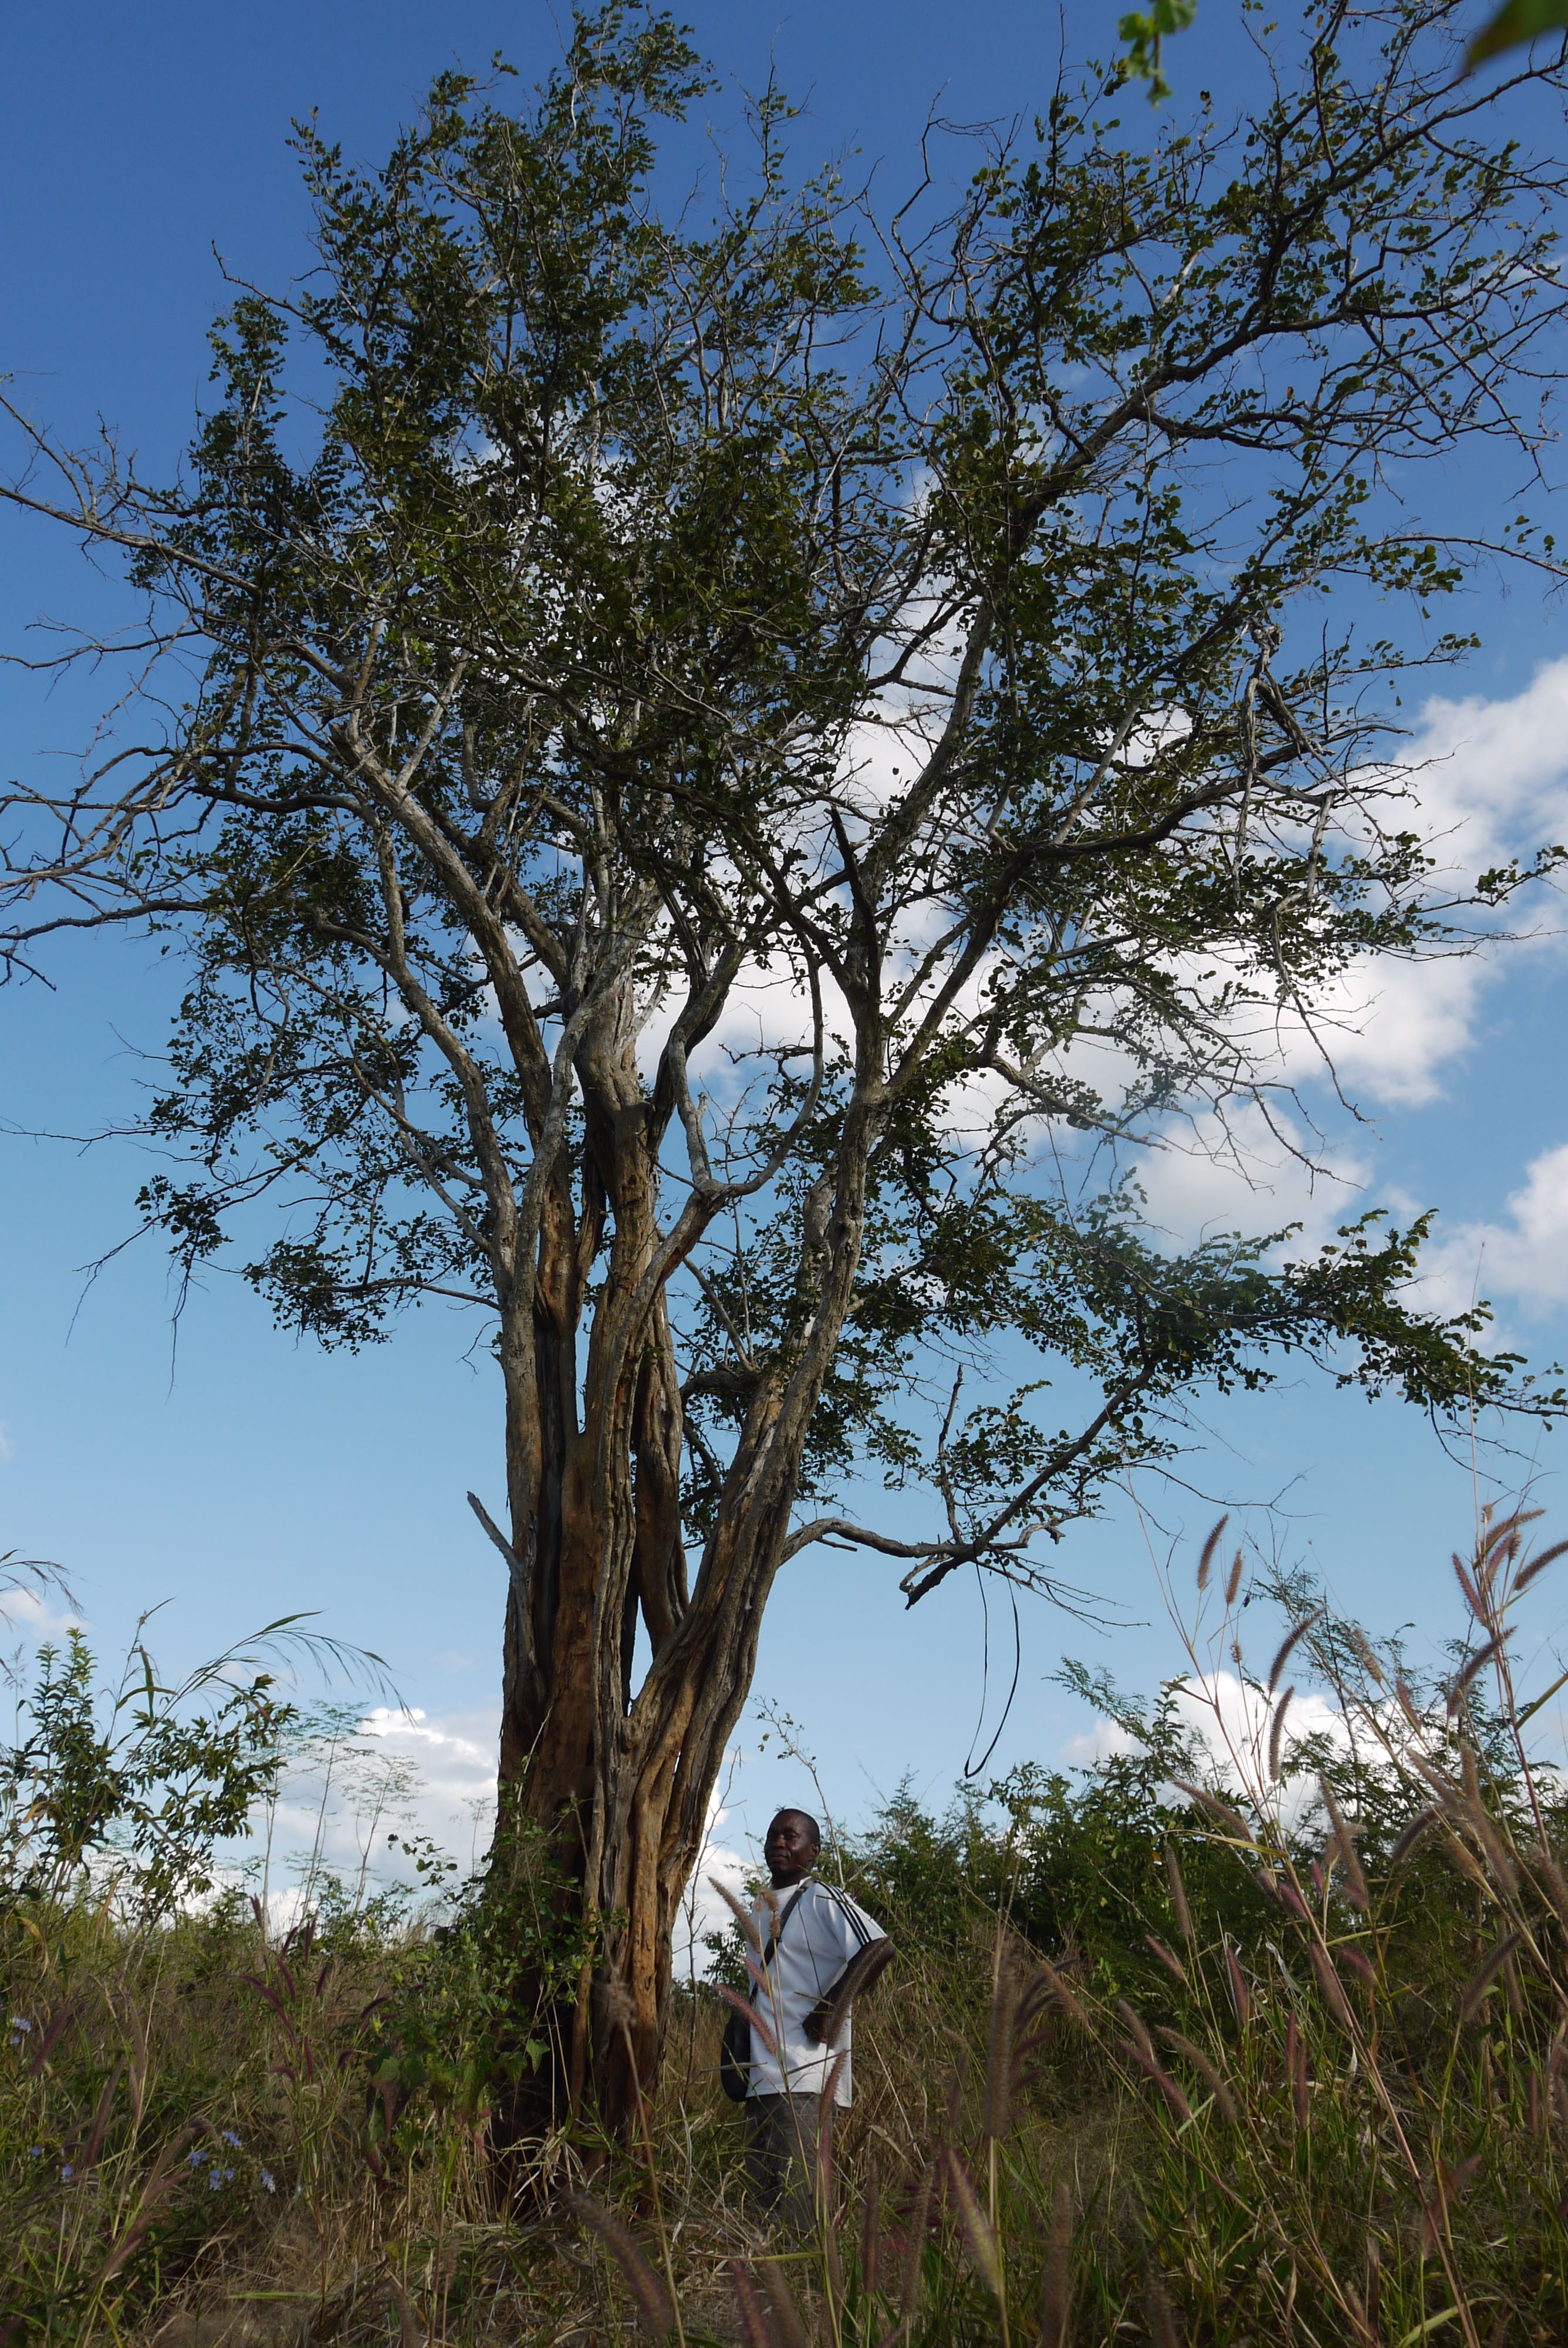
<point x="718" y="766"/>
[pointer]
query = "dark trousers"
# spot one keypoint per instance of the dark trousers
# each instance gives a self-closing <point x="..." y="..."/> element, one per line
<point x="780" y="2156"/>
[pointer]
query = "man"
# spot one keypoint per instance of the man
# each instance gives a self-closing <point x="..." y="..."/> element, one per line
<point x="819" y="1939"/>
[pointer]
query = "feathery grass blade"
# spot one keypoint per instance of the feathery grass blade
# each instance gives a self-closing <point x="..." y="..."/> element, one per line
<point x="1056" y="2297"/>
<point x="1476" y="1665"/>
<point x="919" y="2217"/>
<point x="1064" y="1996"/>
<point x="742" y="1914"/>
<point x="1538" y="1565"/>
<point x="827" y="2107"/>
<point x="1240" y="1997"/>
<point x="1167" y="1957"/>
<point x="866" y="1967"/>
<point x="749" y="2014"/>
<point x="53" y="2031"/>
<point x="754" y="2331"/>
<point x="1276" y="1734"/>
<point x="1210" y="1546"/>
<point x="652" y="2302"/>
<point x="1154" y="2068"/>
<point x="1228" y="1818"/>
<point x="1421" y="1824"/>
<point x="999" y="2037"/>
<point x="1485" y="1975"/>
<point x="88" y="2156"/>
<point x="1295" y="2065"/>
<point x="1329" y="1984"/>
<point x="1467" y="1590"/>
<point x="158" y="2184"/>
<point x="1289" y="1644"/>
<point x="786" y="2327"/>
<point x="1136" y="2024"/>
<point x="977" y="2229"/>
<point x="1163" y="2329"/>
<point x="870" y="2228"/>
<point x="1345" y="1840"/>
<point x="1206" y="2071"/>
<point x="1179" y="1894"/>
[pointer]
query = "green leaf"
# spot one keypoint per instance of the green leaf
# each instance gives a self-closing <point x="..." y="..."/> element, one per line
<point x="1144" y="32"/>
<point x="1519" y="22"/>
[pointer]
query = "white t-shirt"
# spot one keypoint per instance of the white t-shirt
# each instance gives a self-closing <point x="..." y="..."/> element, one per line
<point x="822" y="1931"/>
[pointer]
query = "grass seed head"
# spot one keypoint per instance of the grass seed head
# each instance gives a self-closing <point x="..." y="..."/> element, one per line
<point x="652" y="2303"/>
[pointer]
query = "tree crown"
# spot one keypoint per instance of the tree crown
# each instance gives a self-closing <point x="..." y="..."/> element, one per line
<point x="739" y="763"/>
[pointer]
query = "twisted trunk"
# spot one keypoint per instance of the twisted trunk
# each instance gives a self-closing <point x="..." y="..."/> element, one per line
<point x="621" y="1780"/>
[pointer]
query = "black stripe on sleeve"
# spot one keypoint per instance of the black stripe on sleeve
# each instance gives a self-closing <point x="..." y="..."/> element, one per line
<point x="851" y="1914"/>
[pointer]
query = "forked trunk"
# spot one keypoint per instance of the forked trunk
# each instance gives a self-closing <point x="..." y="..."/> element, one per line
<point x="620" y="1780"/>
<point x="623" y="1781"/>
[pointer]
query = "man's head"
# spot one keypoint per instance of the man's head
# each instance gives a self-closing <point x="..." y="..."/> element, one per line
<point x="790" y="1847"/>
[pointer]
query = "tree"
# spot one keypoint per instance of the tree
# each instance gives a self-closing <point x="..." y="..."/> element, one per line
<point x="923" y="663"/>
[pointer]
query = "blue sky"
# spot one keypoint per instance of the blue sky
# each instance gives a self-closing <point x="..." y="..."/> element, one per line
<point x="246" y="1476"/>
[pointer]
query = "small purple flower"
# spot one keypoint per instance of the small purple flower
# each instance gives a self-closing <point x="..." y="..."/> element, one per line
<point x="267" y="2181"/>
<point x="230" y="2138"/>
<point x="34" y="2152"/>
<point x="196" y="2157"/>
<point x="67" y="2173"/>
<point x="20" y="2022"/>
<point x="214" y="2181"/>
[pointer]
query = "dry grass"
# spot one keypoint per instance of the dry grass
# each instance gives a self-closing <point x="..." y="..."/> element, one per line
<point x="1302" y="2088"/>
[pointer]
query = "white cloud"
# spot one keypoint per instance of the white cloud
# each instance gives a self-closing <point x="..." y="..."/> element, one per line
<point x="1391" y="1027"/>
<point x="1487" y="781"/>
<point x="403" y="1773"/>
<point x="455" y="1755"/>
<point x="7" y="1448"/>
<point x="1241" y="1175"/>
<point x="1483" y="780"/>
<point x="1524" y="1258"/>
<point x="1490" y="777"/>
<point x="30" y="1612"/>
<point x="703" y="1909"/>
<point x="1231" y="1719"/>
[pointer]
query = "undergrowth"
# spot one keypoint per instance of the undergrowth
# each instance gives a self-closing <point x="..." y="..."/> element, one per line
<point x="1233" y="2037"/>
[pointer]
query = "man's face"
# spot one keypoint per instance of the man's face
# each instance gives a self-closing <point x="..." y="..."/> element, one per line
<point x="790" y="1848"/>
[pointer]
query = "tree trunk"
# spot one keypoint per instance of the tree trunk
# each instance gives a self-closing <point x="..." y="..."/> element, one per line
<point x="622" y="1781"/>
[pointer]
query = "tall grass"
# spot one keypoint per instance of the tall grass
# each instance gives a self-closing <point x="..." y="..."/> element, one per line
<point x="1235" y="2038"/>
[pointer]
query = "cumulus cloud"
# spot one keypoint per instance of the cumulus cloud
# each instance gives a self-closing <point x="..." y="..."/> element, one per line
<point x="353" y="1782"/>
<point x="34" y="1614"/>
<point x="1484" y="781"/>
<point x="1487" y="781"/>
<point x="1247" y="1173"/>
<point x="454" y="1757"/>
<point x="1230" y="1720"/>
<point x="1392" y="1028"/>
<point x="704" y="1910"/>
<point x="1490" y="777"/>
<point x="1523" y="1258"/>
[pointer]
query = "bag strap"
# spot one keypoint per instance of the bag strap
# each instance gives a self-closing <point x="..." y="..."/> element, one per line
<point x="776" y="1935"/>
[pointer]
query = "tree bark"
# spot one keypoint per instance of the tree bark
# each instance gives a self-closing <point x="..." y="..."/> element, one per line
<point x="621" y="1779"/>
